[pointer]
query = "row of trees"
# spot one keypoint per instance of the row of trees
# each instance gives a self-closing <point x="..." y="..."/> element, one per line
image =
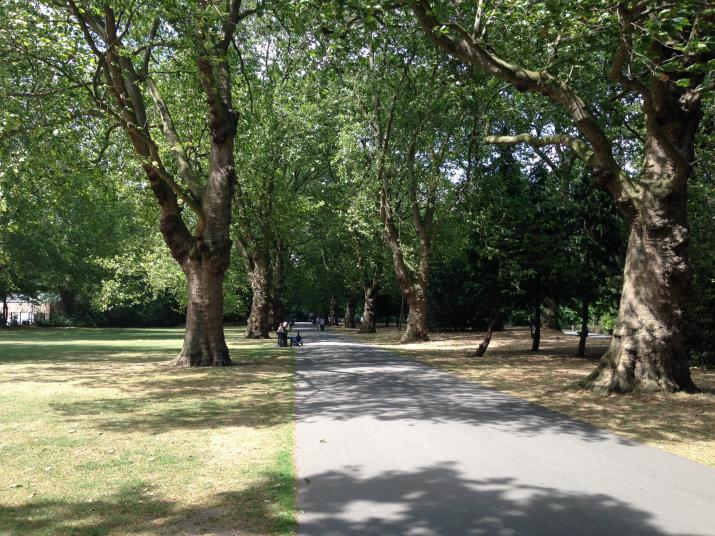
<point x="347" y="147"/>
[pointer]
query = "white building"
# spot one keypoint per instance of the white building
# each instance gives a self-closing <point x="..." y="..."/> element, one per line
<point x="23" y="311"/>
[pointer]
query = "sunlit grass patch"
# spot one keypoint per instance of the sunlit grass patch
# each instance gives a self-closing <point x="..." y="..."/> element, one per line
<point x="679" y="423"/>
<point x="100" y="434"/>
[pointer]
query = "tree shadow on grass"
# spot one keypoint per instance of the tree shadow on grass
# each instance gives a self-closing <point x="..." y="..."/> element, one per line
<point x="95" y="344"/>
<point x="264" y="508"/>
<point x="258" y="394"/>
<point x="153" y="416"/>
<point x="16" y="353"/>
<point x="438" y="500"/>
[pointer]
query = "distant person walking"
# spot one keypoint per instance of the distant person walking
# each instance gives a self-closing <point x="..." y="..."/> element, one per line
<point x="321" y="322"/>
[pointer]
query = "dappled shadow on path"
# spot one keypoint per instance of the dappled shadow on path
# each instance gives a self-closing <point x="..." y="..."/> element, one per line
<point x="437" y="500"/>
<point x="342" y="380"/>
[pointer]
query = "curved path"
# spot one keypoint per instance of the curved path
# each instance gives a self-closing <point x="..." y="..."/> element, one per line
<point x="388" y="446"/>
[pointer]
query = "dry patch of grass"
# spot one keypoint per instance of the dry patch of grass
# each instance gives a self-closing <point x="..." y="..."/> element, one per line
<point x="679" y="423"/>
<point x="99" y="434"/>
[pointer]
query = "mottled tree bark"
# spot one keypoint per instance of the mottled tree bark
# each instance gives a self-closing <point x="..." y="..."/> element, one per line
<point x="647" y="348"/>
<point x="204" y="341"/>
<point x="257" y="324"/>
<point x="416" y="330"/>
<point x="275" y="315"/>
<point x="349" y="321"/>
<point x="368" y="311"/>
<point x="551" y="313"/>
<point x="333" y="311"/>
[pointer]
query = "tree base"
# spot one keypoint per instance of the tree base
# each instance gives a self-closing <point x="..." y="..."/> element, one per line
<point x="201" y="360"/>
<point x="624" y="374"/>
<point x="414" y="336"/>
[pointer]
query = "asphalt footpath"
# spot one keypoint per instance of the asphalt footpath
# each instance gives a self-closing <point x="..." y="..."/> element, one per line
<point x="388" y="446"/>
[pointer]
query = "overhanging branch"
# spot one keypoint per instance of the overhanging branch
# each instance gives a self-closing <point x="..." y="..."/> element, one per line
<point x="580" y="148"/>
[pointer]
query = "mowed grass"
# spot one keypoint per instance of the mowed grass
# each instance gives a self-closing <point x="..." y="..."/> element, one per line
<point x="679" y="423"/>
<point x="100" y="434"/>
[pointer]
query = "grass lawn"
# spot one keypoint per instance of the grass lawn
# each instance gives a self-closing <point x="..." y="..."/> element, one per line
<point x="679" y="423"/>
<point x="99" y="434"/>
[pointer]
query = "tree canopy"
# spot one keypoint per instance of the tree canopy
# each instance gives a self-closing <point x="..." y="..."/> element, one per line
<point x="470" y="164"/>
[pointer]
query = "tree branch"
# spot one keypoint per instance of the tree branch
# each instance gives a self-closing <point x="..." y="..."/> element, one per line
<point x="603" y="163"/>
<point x="185" y="170"/>
<point x="578" y="146"/>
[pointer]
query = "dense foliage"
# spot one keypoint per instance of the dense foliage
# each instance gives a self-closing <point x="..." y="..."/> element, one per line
<point x="383" y="154"/>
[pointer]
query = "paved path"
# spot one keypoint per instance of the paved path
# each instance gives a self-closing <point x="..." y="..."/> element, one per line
<point x="389" y="446"/>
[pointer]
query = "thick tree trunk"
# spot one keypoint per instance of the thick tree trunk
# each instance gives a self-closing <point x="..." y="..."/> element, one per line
<point x="350" y="310"/>
<point x="368" y="312"/>
<point x="416" y="330"/>
<point x="551" y="313"/>
<point x="647" y="348"/>
<point x="204" y="251"/>
<point x="536" y="328"/>
<point x="333" y="312"/>
<point x="584" y="329"/>
<point x="204" y="341"/>
<point x="67" y="302"/>
<point x="257" y="325"/>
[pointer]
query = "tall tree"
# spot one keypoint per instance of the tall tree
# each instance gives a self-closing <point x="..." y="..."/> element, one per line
<point x="127" y="54"/>
<point x="659" y="53"/>
<point x="407" y="152"/>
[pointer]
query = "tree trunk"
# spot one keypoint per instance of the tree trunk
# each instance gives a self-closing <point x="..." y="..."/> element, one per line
<point x="647" y="348"/>
<point x="350" y="311"/>
<point x="584" y="329"/>
<point x="3" y="314"/>
<point x="488" y="338"/>
<point x="275" y="315"/>
<point x="204" y="251"/>
<point x="551" y="313"/>
<point x="536" y="328"/>
<point x="204" y="341"/>
<point x="368" y="312"/>
<point x="332" y="313"/>
<point x="67" y="302"/>
<point x="416" y="319"/>
<point x="257" y="325"/>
